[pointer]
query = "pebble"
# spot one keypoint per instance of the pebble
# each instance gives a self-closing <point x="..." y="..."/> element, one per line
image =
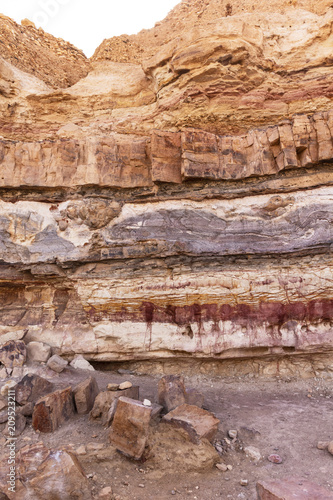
<point x="218" y="448"/>
<point x="253" y="452"/>
<point x="141" y="485"/>
<point x="229" y="467"/>
<point x="125" y="385"/>
<point x="81" y="450"/>
<point x="275" y="459"/>
<point x="222" y="467"/>
<point x="233" y="434"/>
<point x="322" y="445"/>
<point x="90" y="476"/>
<point x="146" y="402"/>
<point x="113" y="387"/>
<point x="173" y="492"/>
<point x="244" y="482"/>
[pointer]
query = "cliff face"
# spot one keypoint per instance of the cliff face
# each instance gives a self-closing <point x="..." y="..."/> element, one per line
<point x="177" y="201"/>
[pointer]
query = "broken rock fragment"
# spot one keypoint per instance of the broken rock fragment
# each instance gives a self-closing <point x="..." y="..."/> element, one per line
<point x="129" y="429"/>
<point x="105" y="400"/>
<point x="57" y="364"/>
<point x="196" y="422"/>
<point x="52" y="410"/>
<point x="292" y="489"/>
<point x="31" y="388"/>
<point x="38" y="352"/>
<point x="80" y="363"/>
<point x="171" y="392"/>
<point x="85" y="394"/>
<point x="13" y="353"/>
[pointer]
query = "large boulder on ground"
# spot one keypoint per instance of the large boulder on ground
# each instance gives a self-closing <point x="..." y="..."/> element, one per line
<point x="105" y="400"/>
<point x="38" y="352"/>
<point x="195" y="421"/>
<point x="129" y="429"/>
<point x="31" y="388"/>
<point x="52" y="410"/>
<point x="292" y="489"/>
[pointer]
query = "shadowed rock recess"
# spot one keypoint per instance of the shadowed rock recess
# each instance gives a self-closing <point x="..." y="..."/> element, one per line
<point x="172" y="197"/>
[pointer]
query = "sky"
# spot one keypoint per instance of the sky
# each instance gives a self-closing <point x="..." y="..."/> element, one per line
<point x="85" y="23"/>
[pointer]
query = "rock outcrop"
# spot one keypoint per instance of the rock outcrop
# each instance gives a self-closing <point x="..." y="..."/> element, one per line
<point x="176" y="200"/>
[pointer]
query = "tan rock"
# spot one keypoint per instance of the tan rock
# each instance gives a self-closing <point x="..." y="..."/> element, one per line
<point x="53" y="410"/>
<point x="31" y="388"/>
<point x="57" y="364"/>
<point x="105" y="493"/>
<point x="62" y="476"/>
<point x="129" y="429"/>
<point x="171" y="392"/>
<point x="85" y="394"/>
<point x="38" y="352"/>
<point x="113" y="387"/>
<point x="292" y="489"/>
<point x="330" y="447"/>
<point x="196" y="422"/>
<point x="125" y="385"/>
<point x="80" y="363"/>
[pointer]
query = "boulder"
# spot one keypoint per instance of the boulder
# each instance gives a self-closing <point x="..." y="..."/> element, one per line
<point x="196" y="422"/>
<point x="57" y="364"/>
<point x="171" y="392"/>
<point x="104" y="401"/>
<point x="52" y="410"/>
<point x="13" y="353"/>
<point x="38" y="352"/>
<point x="31" y="388"/>
<point x="129" y="429"/>
<point x="80" y="363"/>
<point x="292" y="489"/>
<point x="85" y="394"/>
<point x="53" y="474"/>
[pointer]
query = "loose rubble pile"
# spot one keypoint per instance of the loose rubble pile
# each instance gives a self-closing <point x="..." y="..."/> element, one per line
<point x="137" y="429"/>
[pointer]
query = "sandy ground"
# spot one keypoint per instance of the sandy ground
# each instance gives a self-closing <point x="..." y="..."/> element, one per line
<point x="282" y="416"/>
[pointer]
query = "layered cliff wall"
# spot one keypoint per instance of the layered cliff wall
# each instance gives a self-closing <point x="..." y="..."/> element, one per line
<point x="176" y="205"/>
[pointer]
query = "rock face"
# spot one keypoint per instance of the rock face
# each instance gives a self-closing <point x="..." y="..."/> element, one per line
<point x="176" y="200"/>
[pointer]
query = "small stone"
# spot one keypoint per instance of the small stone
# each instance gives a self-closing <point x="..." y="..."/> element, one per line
<point x="56" y="363"/>
<point x="233" y="434"/>
<point x="330" y="447"/>
<point x="38" y="352"/>
<point x="105" y="493"/>
<point x="244" y="482"/>
<point x="81" y="450"/>
<point x="322" y="445"/>
<point x="122" y="371"/>
<point x="141" y="485"/>
<point x="229" y="467"/>
<point x="253" y="452"/>
<point x="218" y="448"/>
<point x="146" y="402"/>
<point x="173" y="492"/>
<point x="7" y="387"/>
<point x="13" y="353"/>
<point x="95" y="446"/>
<point x="113" y="387"/>
<point x="80" y="363"/>
<point x="125" y="385"/>
<point x="275" y="459"/>
<point x="222" y="467"/>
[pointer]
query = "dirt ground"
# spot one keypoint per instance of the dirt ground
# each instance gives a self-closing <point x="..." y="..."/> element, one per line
<point x="282" y="416"/>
